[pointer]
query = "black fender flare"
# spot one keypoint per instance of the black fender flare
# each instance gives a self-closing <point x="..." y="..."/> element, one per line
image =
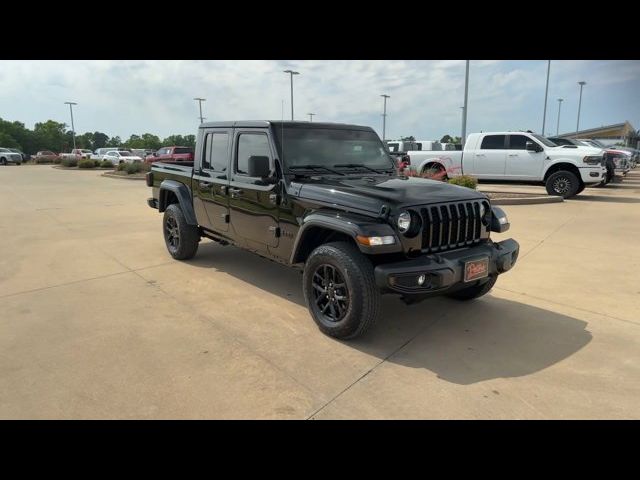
<point x="183" y="195"/>
<point x="350" y="224"/>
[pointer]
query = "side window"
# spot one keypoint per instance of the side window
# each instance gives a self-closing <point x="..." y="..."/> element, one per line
<point x="518" y="142"/>
<point x="206" y="152"/>
<point x="220" y="152"/>
<point x="251" y="144"/>
<point x="393" y="147"/>
<point x="493" y="142"/>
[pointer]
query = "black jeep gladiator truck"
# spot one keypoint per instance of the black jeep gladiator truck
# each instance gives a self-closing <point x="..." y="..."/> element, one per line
<point x="327" y="198"/>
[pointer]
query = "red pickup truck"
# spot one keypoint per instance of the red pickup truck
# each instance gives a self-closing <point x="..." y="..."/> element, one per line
<point x="171" y="154"/>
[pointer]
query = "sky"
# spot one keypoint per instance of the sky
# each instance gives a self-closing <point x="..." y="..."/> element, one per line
<point x="121" y="98"/>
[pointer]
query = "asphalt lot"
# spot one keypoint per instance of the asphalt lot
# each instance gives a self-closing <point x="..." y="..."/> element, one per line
<point x="97" y="321"/>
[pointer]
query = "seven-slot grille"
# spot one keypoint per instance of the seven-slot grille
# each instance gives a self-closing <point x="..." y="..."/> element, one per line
<point x="451" y="225"/>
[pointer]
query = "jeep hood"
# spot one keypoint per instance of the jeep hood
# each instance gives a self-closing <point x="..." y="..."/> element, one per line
<point x="370" y="193"/>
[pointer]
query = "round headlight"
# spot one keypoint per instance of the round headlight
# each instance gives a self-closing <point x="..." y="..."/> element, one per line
<point x="482" y="210"/>
<point x="404" y="221"/>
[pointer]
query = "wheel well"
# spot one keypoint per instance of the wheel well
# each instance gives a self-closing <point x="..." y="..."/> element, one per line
<point x="316" y="236"/>
<point x="563" y="166"/>
<point x="167" y="197"/>
<point x="431" y="164"/>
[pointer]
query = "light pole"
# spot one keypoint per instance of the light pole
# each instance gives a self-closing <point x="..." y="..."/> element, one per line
<point x="291" y="74"/>
<point x="200" y="100"/>
<point x="73" y="129"/>
<point x="582" y="84"/>
<point x="546" y="94"/>
<point x="384" y="116"/>
<point x="464" y="109"/>
<point x="311" y="116"/>
<point x="560" y="100"/>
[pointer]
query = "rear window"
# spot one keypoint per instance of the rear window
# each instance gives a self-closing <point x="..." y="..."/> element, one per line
<point x="493" y="142"/>
<point x="182" y="151"/>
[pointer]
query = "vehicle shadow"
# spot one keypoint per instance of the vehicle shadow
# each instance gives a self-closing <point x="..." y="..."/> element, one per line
<point x="461" y="342"/>
<point x="603" y="198"/>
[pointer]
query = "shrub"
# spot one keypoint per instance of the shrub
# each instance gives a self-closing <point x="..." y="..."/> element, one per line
<point x="97" y="163"/>
<point x="135" y="167"/>
<point x="57" y="160"/>
<point x="105" y="164"/>
<point x="465" y="181"/>
<point x="86" y="163"/>
<point x="70" y="162"/>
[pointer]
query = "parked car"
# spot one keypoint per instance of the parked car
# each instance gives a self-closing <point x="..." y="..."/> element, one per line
<point x="429" y="145"/>
<point x="326" y="198"/>
<point x="121" y="156"/>
<point x="142" y="152"/>
<point x="398" y="146"/>
<point x="171" y="154"/>
<point x="24" y="156"/>
<point x="82" y="152"/>
<point x="46" y="156"/>
<point x="7" y="156"/>
<point x="100" y="152"/>
<point x="516" y="157"/>
<point x="614" y="160"/>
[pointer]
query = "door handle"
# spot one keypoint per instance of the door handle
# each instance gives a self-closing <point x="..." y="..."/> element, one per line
<point x="205" y="185"/>
<point x="479" y="154"/>
<point x="513" y="154"/>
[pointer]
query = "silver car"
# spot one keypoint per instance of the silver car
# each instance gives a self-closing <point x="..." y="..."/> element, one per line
<point x="7" y="156"/>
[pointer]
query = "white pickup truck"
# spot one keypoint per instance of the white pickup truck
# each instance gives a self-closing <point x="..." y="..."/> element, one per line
<point x="517" y="157"/>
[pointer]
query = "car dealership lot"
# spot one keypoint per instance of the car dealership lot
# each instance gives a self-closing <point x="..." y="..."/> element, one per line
<point x="97" y="320"/>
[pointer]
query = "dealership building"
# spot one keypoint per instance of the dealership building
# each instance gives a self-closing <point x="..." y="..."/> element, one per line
<point x="610" y="134"/>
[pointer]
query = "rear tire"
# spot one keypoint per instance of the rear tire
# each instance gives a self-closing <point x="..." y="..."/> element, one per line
<point x="3" y="161"/>
<point x="340" y="290"/>
<point x="180" y="238"/>
<point x="562" y="183"/>
<point x="581" y="188"/>
<point x="476" y="291"/>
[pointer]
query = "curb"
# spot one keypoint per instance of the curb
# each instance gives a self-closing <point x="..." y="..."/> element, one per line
<point x="95" y="169"/>
<point x="121" y="177"/>
<point x="533" y="200"/>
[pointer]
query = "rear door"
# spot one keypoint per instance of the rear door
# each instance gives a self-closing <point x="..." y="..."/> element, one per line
<point x="252" y="204"/>
<point x="489" y="158"/>
<point x="521" y="163"/>
<point x="211" y="180"/>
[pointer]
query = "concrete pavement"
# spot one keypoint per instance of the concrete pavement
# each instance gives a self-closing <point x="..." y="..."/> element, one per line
<point x="97" y="320"/>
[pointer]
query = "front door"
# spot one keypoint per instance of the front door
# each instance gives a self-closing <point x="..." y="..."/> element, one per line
<point x="523" y="164"/>
<point x="252" y="202"/>
<point x="211" y="180"/>
<point x="490" y="158"/>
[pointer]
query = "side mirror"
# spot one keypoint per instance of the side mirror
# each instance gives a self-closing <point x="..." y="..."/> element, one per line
<point x="259" y="166"/>
<point x="532" y="146"/>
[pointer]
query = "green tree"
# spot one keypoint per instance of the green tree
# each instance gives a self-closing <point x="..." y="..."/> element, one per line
<point x="410" y="138"/>
<point x="99" y="140"/>
<point x="151" y="141"/>
<point x="50" y="135"/>
<point x="446" y="139"/>
<point x="7" y="141"/>
<point x="113" y="142"/>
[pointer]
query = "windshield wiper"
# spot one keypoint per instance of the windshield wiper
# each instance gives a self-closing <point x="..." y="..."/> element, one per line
<point x="360" y="165"/>
<point x="314" y="167"/>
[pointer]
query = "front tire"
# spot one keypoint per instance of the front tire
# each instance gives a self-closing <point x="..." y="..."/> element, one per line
<point x="563" y="183"/>
<point x="340" y="290"/>
<point x="3" y="161"/>
<point x="180" y="238"/>
<point x="476" y="291"/>
<point x="435" y="171"/>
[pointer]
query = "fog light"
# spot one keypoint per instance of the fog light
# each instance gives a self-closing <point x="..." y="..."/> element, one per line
<point x="421" y="279"/>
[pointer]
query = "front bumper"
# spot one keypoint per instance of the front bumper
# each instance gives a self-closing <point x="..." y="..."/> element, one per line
<point x="444" y="272"/>
<point x="593" y="174"/>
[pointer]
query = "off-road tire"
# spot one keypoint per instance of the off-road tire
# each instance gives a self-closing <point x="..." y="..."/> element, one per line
<point x="188" y="236"/>
<point x="356" y="272"/>
<point x="581" y="188"/>
<point x="562" y="183"/>
<point x="475" y="291"/>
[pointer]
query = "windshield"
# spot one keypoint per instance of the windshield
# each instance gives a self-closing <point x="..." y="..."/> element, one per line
<point x="330" y="147"/>
<point x="544" y="140"/>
